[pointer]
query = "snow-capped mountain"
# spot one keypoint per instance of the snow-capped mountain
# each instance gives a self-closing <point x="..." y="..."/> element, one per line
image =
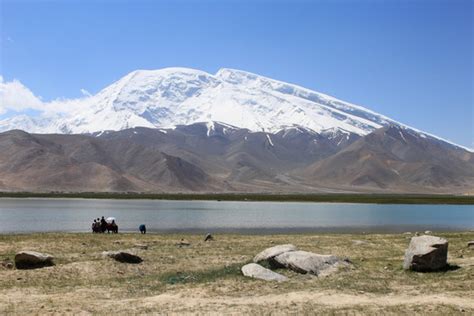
<point x="169" y="97"/>
<point x="177" y="129"/>
<point x="174" y="96"/>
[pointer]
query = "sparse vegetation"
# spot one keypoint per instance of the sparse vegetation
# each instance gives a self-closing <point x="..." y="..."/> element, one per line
<point x="338" y="198"/>
<point x="205" y="277"/>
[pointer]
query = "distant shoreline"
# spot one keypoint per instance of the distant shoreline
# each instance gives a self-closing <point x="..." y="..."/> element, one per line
<point x="289" y="231"/>
<point x="260" y="197"/>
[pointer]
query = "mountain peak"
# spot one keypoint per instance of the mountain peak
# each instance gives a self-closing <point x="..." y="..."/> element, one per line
<point x="236" y="76"/>
<point x="167" y="71"/>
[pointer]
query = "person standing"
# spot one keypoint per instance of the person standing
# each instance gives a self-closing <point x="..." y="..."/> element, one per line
<point x="103" y="224"/>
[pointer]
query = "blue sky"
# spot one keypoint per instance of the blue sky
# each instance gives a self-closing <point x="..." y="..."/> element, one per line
<point x="409" y="60"/>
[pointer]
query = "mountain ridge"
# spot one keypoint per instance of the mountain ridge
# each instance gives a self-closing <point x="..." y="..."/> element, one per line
<point x="221" y="158"/>
<point x="168" y="97"/>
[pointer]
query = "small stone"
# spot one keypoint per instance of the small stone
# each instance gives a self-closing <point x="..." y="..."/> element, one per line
<point x="428" y="232"/>
<point x="208" y="237"/>
<point x="183" y="242"/>
<point x="141" y="246"/>
<point x="470" y="244"/>
<point x="7" y="264"/>
<point x="122" y="256"/>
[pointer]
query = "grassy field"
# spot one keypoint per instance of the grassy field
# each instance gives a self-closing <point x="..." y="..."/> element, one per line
<point x="205" y="277"/>
<point x="341" y="198"/>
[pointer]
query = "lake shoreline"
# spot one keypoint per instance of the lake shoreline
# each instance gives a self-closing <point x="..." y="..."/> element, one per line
<point x="290" y="231"/>
<point x="363" y="198"/>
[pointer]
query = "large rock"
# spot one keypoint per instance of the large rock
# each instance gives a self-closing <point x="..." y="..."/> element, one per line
<point x="33" y="260"/>
<point x="123" y="256"/>
<point x="426" y="253"/>
<point x="308" y="262"/>
<point x="272" y="252"/>
<point x="256" y="271"/>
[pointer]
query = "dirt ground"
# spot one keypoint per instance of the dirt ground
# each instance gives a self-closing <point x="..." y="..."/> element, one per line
<point x="205" y="277"/>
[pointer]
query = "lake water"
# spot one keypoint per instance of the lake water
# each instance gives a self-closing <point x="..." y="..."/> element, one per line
<point x="76" y="215"/>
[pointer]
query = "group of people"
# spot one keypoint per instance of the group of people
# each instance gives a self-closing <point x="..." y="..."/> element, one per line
<point x="100" y="225"/>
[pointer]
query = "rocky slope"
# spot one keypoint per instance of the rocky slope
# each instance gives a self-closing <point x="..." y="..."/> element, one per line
<point x="216" y="157"/>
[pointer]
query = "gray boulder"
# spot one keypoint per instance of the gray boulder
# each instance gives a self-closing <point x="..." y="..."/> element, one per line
<point x="272" y="252"/>
<point x="256" y="271"/>
<point x="33" y="260"/>
<point x="470" y="244"/>
<point x="308" y="262"/>
<point x="426" y="253"/>
<point x="123" y="256"/>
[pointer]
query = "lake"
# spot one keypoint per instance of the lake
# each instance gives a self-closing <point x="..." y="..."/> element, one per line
<point x="76" y="215"/>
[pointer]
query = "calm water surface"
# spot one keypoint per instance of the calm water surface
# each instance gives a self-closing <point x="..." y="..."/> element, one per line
<point x="72" y="215"/>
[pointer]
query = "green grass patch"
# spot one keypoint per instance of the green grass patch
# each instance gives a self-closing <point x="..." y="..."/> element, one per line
<point x="211" y="275"/>
<point x="337" y="198"/>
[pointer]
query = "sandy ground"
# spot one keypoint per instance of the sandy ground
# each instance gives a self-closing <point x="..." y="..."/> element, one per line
<point x="204" y="278"/>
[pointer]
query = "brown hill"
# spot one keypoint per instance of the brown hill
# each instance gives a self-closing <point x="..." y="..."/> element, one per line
<point x="397" y="159"/>
<point x="229" y="159"/>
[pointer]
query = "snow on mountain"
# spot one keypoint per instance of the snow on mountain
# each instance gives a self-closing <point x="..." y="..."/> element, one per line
<point x="168" y="97"/>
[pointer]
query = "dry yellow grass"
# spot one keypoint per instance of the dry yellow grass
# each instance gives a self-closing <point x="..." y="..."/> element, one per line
<point x="205" y="277"/>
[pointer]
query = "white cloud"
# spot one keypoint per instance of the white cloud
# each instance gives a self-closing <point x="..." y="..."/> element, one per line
<point x="15" y="96"/>
<point x="65" y="105"/>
